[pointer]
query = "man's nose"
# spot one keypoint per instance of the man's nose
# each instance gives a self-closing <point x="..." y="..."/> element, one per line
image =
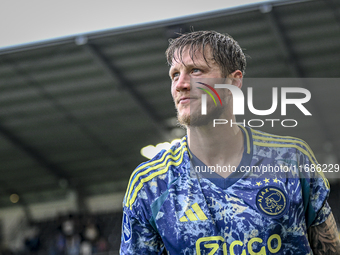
<point x="183" y="82"/>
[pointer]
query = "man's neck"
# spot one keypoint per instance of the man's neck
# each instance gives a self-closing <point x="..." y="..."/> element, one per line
<point x="221" y="145"/>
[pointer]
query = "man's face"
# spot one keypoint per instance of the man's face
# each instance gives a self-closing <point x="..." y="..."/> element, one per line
<point x="187" y="97"/>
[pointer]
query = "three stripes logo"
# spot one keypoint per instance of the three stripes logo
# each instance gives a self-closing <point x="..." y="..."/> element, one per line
<point x="204" y="97"/>
<point x="193" y="214"/>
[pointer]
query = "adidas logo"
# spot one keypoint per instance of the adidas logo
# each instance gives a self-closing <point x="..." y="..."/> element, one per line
<point x="193" y="214"/>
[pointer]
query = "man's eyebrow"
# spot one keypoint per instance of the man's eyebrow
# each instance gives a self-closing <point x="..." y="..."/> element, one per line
<point x="188" y="66"/>
<point x="171" y="70"/>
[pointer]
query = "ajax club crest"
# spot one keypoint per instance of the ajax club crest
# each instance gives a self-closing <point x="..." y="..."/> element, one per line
<point x="271" y="201"/>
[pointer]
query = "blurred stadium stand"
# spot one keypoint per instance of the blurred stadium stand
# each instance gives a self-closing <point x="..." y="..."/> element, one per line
<point x="76" y="111"/>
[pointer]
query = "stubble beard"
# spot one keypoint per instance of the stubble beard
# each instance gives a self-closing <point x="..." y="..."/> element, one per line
<point x="195" y="119"/>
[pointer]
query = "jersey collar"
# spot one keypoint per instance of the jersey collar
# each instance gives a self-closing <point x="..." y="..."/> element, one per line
<point x="224" y="183"/>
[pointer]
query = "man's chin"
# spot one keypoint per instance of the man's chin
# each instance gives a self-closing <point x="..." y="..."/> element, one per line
<point x="195" y="119"/>
<point x="183" y="120"/>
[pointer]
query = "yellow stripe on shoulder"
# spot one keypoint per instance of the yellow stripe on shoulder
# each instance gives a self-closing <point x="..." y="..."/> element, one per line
<point x="160" y="166"/>
<point x="283" y="139"/>
<point x="153" y="163"/>
<point x="286" y="142"/>
<point x="151" y="176"/>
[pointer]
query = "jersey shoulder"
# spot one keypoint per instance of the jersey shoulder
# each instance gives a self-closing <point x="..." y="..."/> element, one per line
<point x="151" y="178"/>
<point x="290" y="150"/>
<point x="283" y="143"/>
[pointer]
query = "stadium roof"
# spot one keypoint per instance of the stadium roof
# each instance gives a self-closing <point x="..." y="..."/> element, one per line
<point x="76" y="111"/>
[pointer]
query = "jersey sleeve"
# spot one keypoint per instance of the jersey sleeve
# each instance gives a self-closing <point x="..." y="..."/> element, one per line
<point x="322" y="215"/>
<point x="315" y="191"/>
<point x="138" y="235"/>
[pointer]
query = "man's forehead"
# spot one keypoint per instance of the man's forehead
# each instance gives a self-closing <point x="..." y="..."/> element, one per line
<point x="193" y="54"/>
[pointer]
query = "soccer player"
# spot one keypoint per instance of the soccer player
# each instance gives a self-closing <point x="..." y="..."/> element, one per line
<point x="175" y="203"/>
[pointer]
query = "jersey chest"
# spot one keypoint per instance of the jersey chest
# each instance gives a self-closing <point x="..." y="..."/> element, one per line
<point x="248" y="218"/>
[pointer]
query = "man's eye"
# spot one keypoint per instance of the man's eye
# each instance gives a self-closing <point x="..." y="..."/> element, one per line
<point x="195" y="70"/>
<point x="174" y="75"/>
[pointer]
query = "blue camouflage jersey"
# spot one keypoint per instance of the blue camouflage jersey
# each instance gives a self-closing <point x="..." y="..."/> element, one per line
<point x="175" y="202"/>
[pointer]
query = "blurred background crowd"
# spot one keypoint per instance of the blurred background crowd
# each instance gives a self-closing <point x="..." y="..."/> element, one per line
<point x="71" y="234"/>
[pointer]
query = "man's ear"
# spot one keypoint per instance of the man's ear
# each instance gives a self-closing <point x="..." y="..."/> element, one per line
<point x="236" y="78"/>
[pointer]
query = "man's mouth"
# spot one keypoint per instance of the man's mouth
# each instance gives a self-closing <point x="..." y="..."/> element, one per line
<point x="185" y="100"/>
